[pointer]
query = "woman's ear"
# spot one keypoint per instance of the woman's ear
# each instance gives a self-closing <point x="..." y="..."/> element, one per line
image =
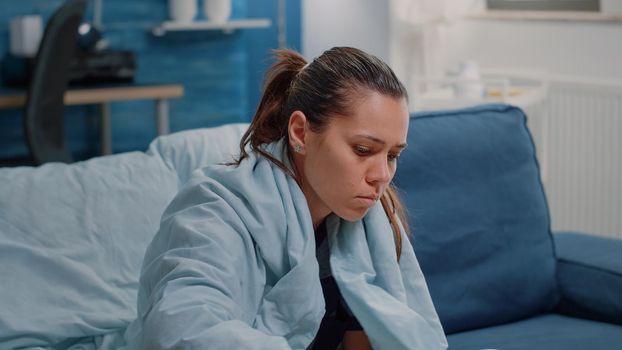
<point x="297" y="131"/>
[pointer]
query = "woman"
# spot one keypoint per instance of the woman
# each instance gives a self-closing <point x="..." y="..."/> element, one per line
<point x="299" y="243"/>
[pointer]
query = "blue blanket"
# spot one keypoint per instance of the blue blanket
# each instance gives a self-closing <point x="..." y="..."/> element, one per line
<point x="233" y="266"/>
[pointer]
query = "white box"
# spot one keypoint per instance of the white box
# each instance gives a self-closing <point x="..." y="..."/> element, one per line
<point x="25" y="35"/>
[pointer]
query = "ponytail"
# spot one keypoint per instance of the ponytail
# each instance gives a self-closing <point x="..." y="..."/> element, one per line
<point x="270" y="121"/>
<point x="396" y="213"/>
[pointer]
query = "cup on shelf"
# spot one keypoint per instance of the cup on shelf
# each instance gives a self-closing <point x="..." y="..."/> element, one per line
<point x="182" y="10"/>
<point x="25" y="33"/>
<point x="217" y="11"/>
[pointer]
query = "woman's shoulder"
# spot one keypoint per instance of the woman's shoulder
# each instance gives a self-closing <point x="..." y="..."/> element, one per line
<point x="248" y="181"/>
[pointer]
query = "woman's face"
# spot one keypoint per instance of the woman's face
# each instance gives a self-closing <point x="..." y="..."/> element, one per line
<point x="348" y="166"/>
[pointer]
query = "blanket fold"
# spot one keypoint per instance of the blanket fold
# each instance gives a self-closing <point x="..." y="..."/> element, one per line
<point x="390" y="300"/>
<point x="233" y="266"/>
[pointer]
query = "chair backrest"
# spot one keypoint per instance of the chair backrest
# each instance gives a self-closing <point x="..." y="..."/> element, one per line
<point x="478" y="213"/>
<point x="43" y="116"/>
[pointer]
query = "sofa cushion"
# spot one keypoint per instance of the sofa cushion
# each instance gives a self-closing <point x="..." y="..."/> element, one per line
<point x="470" y="181"/>
<point x="545" y="332"/>
<point x="589" y="273"/>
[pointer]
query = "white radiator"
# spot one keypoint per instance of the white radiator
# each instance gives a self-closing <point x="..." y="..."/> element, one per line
<point x="578" y="134"/>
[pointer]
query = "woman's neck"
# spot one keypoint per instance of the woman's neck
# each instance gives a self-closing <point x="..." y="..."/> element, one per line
<point x="318" y="210"/>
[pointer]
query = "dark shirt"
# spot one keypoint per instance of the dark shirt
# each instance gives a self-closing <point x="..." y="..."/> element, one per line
<point x="338" y="317"/>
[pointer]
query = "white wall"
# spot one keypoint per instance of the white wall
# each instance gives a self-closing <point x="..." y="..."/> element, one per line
<point x="590" y="49"/>
<point x="567" y="48"/>
<point x="359" y="23"/>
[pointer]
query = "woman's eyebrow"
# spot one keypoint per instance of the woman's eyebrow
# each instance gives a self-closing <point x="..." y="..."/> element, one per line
<point x="377" y="140"/>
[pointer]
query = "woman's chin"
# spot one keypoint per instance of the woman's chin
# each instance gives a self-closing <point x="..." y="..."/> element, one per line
<point x="352" y="214"/>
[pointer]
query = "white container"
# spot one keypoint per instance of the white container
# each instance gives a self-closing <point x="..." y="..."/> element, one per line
<point x="182" y="10"/>
<point x="473" y="88"/>
<point x="25" y="35"/>
<point x="217" y="11"/>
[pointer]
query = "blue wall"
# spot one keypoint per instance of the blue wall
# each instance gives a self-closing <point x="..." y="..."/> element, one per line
<point x="221" y="73"/>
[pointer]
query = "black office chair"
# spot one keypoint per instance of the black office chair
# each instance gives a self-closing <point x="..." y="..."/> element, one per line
<point x="43" y="115"/>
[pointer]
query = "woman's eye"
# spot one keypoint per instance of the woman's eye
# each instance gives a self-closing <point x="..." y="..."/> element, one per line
<point x="393" y="157"/>
<point x="361" y="150"/>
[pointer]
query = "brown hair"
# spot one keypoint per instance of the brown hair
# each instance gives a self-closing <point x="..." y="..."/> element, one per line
<point x="322" y="89"/>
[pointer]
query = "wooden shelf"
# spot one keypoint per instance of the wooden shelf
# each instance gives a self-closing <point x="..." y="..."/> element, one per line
<point x="227" y="27"/>
<point x="97" y="95"/>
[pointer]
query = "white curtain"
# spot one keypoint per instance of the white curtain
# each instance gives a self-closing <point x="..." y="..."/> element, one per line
<point x="419" y="32"/>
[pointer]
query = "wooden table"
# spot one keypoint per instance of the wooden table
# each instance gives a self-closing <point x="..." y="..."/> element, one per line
<point x="103" y="96"/>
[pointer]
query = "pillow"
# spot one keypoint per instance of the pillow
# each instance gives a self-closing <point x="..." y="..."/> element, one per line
<point x="186" y="151"/>
<point x="72" y="240"/>
<point x="471" y="183"/>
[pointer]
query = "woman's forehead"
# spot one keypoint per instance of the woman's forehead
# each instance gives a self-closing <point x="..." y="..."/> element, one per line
<point x="377" y="116"/>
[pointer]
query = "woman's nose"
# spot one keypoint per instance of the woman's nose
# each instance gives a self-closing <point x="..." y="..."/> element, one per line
<point x="380" y="171"/>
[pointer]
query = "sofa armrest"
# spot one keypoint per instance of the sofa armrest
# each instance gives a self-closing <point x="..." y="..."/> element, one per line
<point x="589" y="273"/>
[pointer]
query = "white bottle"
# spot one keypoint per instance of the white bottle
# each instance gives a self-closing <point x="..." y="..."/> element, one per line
<point x="473" y="88"/>
<point x="182" y="10"/>
<point x="217" y="11"/>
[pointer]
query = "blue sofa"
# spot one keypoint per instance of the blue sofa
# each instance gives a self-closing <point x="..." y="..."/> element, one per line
<point x="481" y="230"/>
<point x="72" y="239"/>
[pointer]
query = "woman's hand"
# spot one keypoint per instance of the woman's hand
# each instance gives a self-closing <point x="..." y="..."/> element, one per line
<point x="355" y="340"/>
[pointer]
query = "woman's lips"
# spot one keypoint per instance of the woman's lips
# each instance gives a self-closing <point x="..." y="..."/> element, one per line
<point x="367" y="201"/>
